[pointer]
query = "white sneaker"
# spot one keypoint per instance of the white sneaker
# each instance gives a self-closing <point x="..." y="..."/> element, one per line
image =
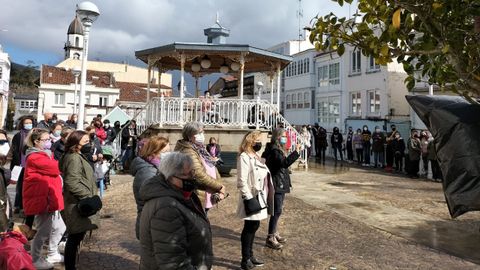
<point x="61" y="247"/>
<point x="57" y="258"/>
<point x="41" y="264"/>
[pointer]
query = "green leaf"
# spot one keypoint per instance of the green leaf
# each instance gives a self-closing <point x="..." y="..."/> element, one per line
<point x="446" y="48"/>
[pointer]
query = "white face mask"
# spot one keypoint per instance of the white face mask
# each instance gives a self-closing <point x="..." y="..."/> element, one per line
<point x="4" y="148"/>
<point x="200" y="138"/>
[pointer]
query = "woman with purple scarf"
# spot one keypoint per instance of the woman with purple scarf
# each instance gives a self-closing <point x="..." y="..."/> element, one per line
<point x="25" y="124"/>
<point x="205" y="173"/>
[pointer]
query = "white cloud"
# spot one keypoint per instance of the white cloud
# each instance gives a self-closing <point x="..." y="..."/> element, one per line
<point x="125" y="26"/>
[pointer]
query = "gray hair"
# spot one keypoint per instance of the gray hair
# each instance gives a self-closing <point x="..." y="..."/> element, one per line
<point x="191" y="129"/>
<point x="173" y="164"/>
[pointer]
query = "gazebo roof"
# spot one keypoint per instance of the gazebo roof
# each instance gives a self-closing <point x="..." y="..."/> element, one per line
<point x="256" y="59"/>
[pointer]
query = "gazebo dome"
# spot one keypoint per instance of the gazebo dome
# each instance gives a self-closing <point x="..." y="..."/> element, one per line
<point x="75" y="27"/>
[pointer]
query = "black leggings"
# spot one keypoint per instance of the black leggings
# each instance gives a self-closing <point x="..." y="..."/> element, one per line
<point x="248" y="235"/>
<point x="359" y="155"/>
<point x="71" y="250"/>
<point x="29" y="221"/>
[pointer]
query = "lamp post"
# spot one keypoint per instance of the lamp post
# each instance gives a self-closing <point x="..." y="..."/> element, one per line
<point x="87" y="13"/>
<point x="76" y="72"/>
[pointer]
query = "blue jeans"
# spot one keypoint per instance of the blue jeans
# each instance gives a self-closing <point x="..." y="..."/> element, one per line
<point x="277" y="211"/>
<point x="378" y="158"/>
<point x="126" y="155"/>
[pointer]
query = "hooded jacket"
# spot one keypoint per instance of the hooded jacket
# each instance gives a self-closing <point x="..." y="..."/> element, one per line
<point x="142" y="171"/>
<point x="42" y="186"/>
<point x="79" y="183"/>
<point x="204" y="181"/>
<point x="278" y="165"/>
<point x="174" y="232"/>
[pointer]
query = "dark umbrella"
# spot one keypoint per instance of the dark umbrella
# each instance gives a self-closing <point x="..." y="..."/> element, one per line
<point x="455" y="125"/>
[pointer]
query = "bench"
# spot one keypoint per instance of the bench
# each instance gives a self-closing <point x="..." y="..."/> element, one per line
<point x="229" y="162"/>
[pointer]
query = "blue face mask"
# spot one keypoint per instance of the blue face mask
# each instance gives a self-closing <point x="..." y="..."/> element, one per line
<point x="283" y="140"/>
<point x="28" y="126"/>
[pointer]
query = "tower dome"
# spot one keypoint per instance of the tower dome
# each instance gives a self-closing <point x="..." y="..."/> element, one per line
<point x="75" y="27"/>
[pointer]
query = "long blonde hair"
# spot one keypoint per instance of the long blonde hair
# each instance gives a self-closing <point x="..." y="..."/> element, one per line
<point x="248" y="141"/>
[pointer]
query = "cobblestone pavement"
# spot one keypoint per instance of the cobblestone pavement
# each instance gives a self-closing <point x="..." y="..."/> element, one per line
<point x="319" y="236"/>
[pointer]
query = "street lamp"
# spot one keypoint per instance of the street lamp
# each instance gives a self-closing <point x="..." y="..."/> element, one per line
<point x="76" y="72"/>
<point x="87" y="12"/>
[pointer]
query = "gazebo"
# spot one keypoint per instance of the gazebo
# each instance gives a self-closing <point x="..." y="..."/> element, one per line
<point x="215" y="56"/>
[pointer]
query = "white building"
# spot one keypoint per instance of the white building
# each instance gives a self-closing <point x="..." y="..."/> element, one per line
<point x="351" y="90"/>
<point x="5" y="67"/>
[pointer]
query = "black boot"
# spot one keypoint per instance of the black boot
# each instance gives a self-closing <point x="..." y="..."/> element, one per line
<point x="247" y="264"/>
<point x="256" y="261"/>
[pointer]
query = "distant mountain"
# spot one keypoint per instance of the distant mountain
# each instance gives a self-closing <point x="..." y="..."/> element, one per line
<point x="22" y="75"/>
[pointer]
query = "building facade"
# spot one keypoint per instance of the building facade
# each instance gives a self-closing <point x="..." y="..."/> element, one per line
<point x="5" y="67"/>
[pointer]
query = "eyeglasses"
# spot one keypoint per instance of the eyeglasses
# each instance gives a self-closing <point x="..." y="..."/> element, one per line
<point x="45" y="140"/>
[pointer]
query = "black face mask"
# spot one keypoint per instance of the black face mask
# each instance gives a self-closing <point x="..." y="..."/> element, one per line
<point x="188" y="185"/>
<point x="86" y="149"/>
<point x="92" y="136"/>
<point x="257" y="146"/>
<point x="393" y="129"/>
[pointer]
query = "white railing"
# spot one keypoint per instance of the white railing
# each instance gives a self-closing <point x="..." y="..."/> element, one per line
<point x="228" y="113"/>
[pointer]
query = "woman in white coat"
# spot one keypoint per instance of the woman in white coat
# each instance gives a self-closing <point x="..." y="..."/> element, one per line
<point x="253" y="183"/>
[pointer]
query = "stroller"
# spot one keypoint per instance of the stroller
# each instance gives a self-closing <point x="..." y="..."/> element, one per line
<point x="109" y="156"/>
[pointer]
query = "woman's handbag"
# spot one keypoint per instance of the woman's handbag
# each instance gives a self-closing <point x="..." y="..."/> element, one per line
<point x="252" y="206"/>
<point x="89" y="206"/>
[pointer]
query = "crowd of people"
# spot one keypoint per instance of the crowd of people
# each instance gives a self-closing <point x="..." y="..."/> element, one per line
<point x="60" y="174"/>
<point x="62" y="170"/>
<point x="378" y="149"/>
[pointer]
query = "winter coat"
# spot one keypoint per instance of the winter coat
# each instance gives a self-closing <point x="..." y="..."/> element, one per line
<point x="350" y="139"/>
<point x="4" y="203"/>
<point x="44" y="125"/>
<point x="336" y="140"/>
<point x="204" y="181"/>
<point x="414" y="149"/>
<point x="42" y="184"/>
<point x="58" y="148"/>
<point x="398" y="146"/>
<point x="18" y="147"/>
<point x="278" y="165"/>
<point x="306" y="138"/>
<point x="252" y="178"/>
<point x="357" y="141"/>
<point x="126" y="137"/>
<point x="111" y="135"/>
<point x="366" y="137"/>
<point x="321" y="139"/>
<point x="378" y="141"/>
<point x="79" y="183"/>
<point x="217" y="149"/>
<point x="142" y="171"/>
<point x="174" y="232"/>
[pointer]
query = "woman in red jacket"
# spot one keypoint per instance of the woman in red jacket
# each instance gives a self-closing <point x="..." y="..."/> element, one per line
<point x="42" y="197"/>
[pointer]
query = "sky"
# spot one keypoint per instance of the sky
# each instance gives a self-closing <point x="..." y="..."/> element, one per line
<point x="37" y="30"/>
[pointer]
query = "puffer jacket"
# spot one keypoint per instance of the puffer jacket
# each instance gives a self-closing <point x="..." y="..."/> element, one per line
<point x="42" y="185"/>
<point x="205" y="182"/>
<point x="174" y="232"/>
<point x="142" y="171"/>
<point x="278" y="165"/>
<point x="79" y="183"/>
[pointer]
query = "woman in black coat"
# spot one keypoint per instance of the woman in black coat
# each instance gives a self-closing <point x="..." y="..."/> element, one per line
<point x="278" y="162"/>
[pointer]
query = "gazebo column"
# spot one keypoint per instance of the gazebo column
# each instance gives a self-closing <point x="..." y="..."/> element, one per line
<point x="182" y="84"/>
<point x="159" y="79"/>
<point x="278" y="86"/>
<point x="149" y="77"/>
<point x="240" y="87"/>
<point x="271" y="88"/>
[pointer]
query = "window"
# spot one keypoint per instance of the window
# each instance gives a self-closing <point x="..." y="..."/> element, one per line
<point x="59" y="99"/>
<point x="103" y="101"/>
<point x="356" y="108"/>
<point x="322" y="76"/>
<point x="328" y="110"/>
<point x="28" y="104"/>
<point x="356" y="62"/>
<point x="307" y="65"/>
<point x="374" y="102"/>
<point x="301" y="66"/>
<point x="294" y="101"/>
<point x="294" y="68"/>
<point x="334" y="73"/>
<point x="76" y="56"/>
<point x="300" y="100"/>
<point x="1" y="72"/>
<point x="289" y="102"/>
<point x="373" y="66"/>
<point x="77" y="42"/>
<point x="306" y="100"/>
